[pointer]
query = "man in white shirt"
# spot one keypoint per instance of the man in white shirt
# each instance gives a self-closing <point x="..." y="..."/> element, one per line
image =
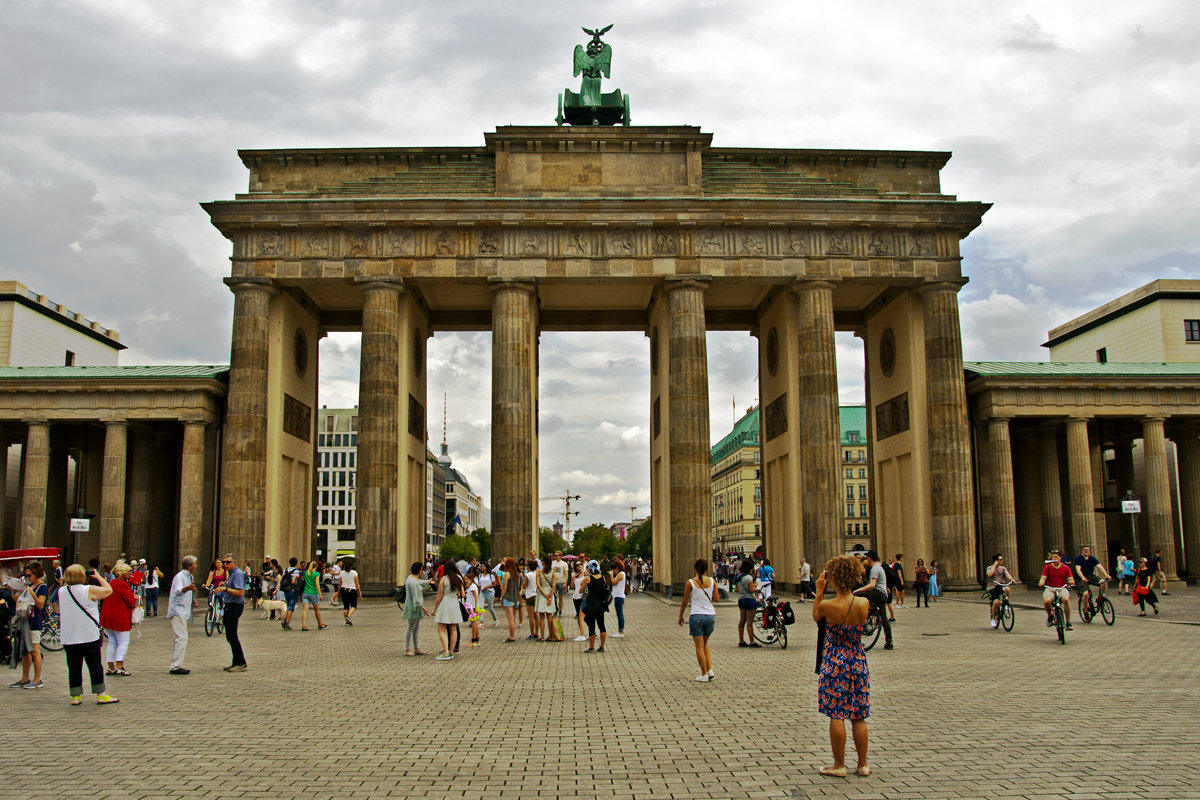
<point x="559" y="567"/>
<point x="179" y="611"/>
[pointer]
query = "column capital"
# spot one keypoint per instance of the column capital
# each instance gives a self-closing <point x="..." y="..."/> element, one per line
<point x="195" y="421"/>
<point x="1077" y="418"/>
<point x="379" y="283"/>
<point x="1152" y="420"/>
<point x="686" y="282"/>
<point x="238" y="285"/>
<point x="933" y="287"/>
<point x="116" y="423"/>
<point x="511" y="285"/>
<point x="1049" y="425"/>
<point x="999" y="420"/>
<point x="813" y="284"/>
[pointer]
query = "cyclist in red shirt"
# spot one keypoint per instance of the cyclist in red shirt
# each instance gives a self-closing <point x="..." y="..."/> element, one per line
<point x="1056" y="576"/>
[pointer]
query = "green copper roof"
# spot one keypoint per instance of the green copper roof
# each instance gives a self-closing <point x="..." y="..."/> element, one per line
<point x="1079" y="369"/>
<point x="146" y="372"/>
<point x="852" y="419"/>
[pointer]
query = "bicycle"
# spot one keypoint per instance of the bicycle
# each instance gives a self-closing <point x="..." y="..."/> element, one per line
<point x="1005" y="613"/>
<point x="1089" y="608"/>
<point x="768" y="625"/>
<point x="215" y="616"/>
<point x="1058" y="615"/>
<point x="872" y="627"/>
<point x="51" y="634"/>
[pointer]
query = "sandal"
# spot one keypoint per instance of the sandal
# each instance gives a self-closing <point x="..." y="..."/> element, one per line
<point x="114" y="672"/>
<point x="322" y="627"/>
<point x="864" y="770"/>
<point x="304" y="629"/>
<point x="122" y="671"/>
<point x="833" y="772"/>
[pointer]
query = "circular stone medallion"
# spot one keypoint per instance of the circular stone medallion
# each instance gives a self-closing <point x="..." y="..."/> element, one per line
<point x="772" y="352"/>
<point x="887" y="352"/>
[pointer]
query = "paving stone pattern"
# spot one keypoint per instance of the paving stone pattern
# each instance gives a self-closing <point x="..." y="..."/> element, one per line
<point x="958" y="711"/>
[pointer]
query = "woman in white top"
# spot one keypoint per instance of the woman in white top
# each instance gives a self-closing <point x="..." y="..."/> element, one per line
<point x="349" y="590"/>
<point x="618" y="595"/>
<point x="577" y="597"/>
<point x="472" y="602"/>
<point x="79" y="626"/>
<point x="529" y="588"/>
<point x="448" y="609"/>
<point x="487" y="588"/>
<point x="702" y="591"/>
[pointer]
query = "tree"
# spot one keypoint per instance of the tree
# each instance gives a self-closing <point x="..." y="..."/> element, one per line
<point x="484" y="540"/>
<point x="596" y="540"/>
<point x="640" y="543"/>
<point x="549" y="541"/>
<point x="459" y="548"/>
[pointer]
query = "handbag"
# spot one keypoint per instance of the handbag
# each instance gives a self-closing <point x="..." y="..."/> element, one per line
<point x="464" y="608"/>
<point x="139" y="614"/>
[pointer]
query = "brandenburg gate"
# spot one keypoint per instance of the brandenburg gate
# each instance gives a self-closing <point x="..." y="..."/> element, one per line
<point x="597" y="227"/>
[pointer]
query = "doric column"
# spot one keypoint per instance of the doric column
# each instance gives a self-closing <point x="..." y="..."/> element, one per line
<point x="377" y="539"/>
<point x="1029" y="529"/>
<point x="1052" y="519"/>
<point x="244" y="474"/>
<point x="514" y="312"/>
<point x="1187" y="441"/>
<point x="820" y="469"/>
<point x="112" y="492"/>
<point x="949" y="436"/>
<point x="1004" y="503"/>
<point x="687" y="370"/>
<point x="1079" y="475"/>
<point x="191" y="489"/>
<point x="32" y="532"/>
<point x="1158" y="493"/>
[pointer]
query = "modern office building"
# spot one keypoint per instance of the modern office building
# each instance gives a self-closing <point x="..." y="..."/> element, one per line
<point x="337" y="466"/>
<point x="737" y="494"/>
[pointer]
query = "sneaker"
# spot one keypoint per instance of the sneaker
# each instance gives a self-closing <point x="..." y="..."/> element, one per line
<point x="76" y="700"/>
<point x="618" y="636"/>
<point x="1049" y="622"/>
<point x="18" y="685"/>
<point x="702" y="678"/>
<point x="888" y="646"/>
<point x="1070" y="627"/>
<point x="711" y="675"/>
<point x="995" y="623"/>
<point x="179" y="671"/>
<point x="581" y="638"/>
<point x="33" y="685"/>
<point x="443" y="657"/>
<point x="348" y="622"/>
<point x="598" y="650"/>
<point x="236" y="668"/>
<point x="590" y="650"/>
<point x="105" y="699"/>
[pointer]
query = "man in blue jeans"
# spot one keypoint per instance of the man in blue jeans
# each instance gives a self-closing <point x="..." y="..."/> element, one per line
<point x="234" y="598"/>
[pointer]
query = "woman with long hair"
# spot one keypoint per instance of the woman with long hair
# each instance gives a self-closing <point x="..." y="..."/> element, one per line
<point x="844" y="690"/>
<point x="471" y="592"/>
<point x="487" y="591"/>
<point x="521" y="604"/>
<point x="747" y="605"/>
<point x="38" y="594"/>
<point x="934" y="591"/>
<point x="577" y="597"/>
<point x="544" y="606"/>
<point x="448" y="613"/>
<point x="529" y="588"/>
<point x="414" y="608"/>
<point x="216" y="575"/>
<point x="311" y="596"/>
<point x="510" y="596"/>
<point x="701" y="590"/>
<point x="618" y="592"/>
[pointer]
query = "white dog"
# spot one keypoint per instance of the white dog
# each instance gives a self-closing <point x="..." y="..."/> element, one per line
<point x="267" y="606"/>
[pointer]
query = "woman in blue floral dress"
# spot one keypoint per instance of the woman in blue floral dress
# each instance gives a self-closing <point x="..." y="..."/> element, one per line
<point x="844" y="690"/>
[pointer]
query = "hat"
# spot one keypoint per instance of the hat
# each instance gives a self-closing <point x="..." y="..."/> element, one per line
<point x="141" y="561"/>
<point x="594" y="567"/>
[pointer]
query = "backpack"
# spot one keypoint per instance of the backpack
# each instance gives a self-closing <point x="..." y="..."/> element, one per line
<point x="598" y="600"/>
<point x="893" y="577"/>
<point x="401" y="594"/>
<point x="290" y="582"/>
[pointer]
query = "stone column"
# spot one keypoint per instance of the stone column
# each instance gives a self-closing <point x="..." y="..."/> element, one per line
<point x="1187" y="441"/>
<point x="820" y="468"/>
<point x="1052" y="519"/>
<point x="1079" y="475"/>
<point x="1004" y="503"/>
<point x="377" y="539"/>
<point x="690" y="484"/>
<point x="32" y="532"/>
<point x="1158" y="494"/>
<point x="514" y="310"/>
<point x="112" y="492"/>
<point x="243" y="522"/>
<point x="191" y="489"/>
<point x="949" y="437"/>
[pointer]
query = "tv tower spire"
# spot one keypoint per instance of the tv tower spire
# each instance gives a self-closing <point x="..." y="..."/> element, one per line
<point x="444" y="460"/>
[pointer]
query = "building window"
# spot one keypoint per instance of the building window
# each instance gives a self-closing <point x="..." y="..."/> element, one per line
<point x="329" y="422"/>
<point x="862" y="509"/>
<point x="354" y="440"/>
<point x="354" y="422"/>
<point x="354" y="457"/>
<point x="1191" y="330"/>
<point x="862" y="492"/>
<point x="69" y="360"/>
<point x="758" y="493"/>
<point x="758" y="512"/>
<point x="849" y="529"/>
<point x="1102" y="355"/>
<point x="849" y="509"/>
<point x="849" y="492"/>
<point x="852" y="437"/>
<point x="862" y="472"/>
<point x="866" y="531"/>
<point x="857" y="528"/>
<point x="846" y="456"/>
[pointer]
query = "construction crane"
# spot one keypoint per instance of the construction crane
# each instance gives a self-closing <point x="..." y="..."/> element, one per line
<point x="566" y="498"/>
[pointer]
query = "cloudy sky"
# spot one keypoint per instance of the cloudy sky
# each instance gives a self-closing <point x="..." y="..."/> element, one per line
<point x="118" y="117"/>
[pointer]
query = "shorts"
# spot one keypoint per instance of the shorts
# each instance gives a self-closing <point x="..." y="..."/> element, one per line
<point x="508" y="603"/>
<point x="996" y="592"/>
<point x="290" y="598"/>
<point x="1048" y="593"/>
<point x="701" y="624"/>
<point x="311" y="599"/>
<point x="529" y="601"/>
<point x="578" y="601"/>
<point x="34" y="638"/>
<point x="349" y="598"/>
<point x="560" y="589"/>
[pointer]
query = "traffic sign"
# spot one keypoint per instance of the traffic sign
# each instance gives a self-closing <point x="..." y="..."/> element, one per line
<point x="1131" y="506"/>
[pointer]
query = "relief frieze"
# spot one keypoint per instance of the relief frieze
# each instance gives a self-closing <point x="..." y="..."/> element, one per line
<point x="444" y="244"/>
<point x="712" y="242"/>
<point x="923" y="245"/>
<point x="754" y="243"/>
<point x="665" y="243"/>
<point x="358" y="245"/>
<point x="270" y="243"/>
<point x="489" y="243"/>
<point x="576" y="244"/>
<point x="401" y="243"/>
<point x="620" y="243"/>
<point x="837" y="243"/>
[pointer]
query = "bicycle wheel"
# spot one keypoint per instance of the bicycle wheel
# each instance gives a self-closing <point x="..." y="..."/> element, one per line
<point x="760" y="630"/>
<point x="1087" y="611"/>
<point x="782" y="637"/>
<point x="1060" y="624"/>
<point x="871" y="630"/>
<point x="1107" y="611"/>
<point x="1007" y="616"/>
<point x="51" y="637"/>
<point x="220" y="622"/>
<point x="210" y="620"/>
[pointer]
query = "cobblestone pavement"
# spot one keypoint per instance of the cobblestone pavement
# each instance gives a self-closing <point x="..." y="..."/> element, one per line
<point x="958" y="711"/>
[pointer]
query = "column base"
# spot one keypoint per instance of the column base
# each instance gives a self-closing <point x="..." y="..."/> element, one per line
<point x="377" y="588"/>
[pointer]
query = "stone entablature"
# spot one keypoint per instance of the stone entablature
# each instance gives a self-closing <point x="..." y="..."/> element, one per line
<point x="82" y="399"/>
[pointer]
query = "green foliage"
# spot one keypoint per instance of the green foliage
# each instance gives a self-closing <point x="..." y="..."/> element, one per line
<point x="597" y="541"/>
<point x="549" y="541"/>
<point x="459" y="548"/>
<point x="482" y="538"/>
<point x="640" y="542"/>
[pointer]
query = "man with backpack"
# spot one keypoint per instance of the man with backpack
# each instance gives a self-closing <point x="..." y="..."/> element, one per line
<point x="291" y="583"/>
